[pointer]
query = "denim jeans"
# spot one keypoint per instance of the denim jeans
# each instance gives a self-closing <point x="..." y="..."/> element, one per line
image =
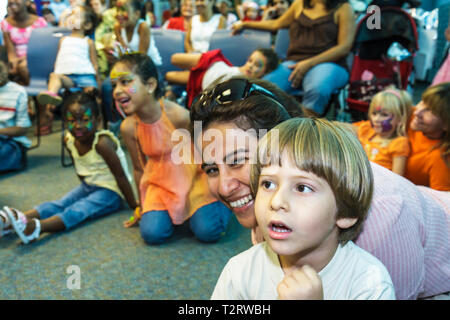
<point x="11" y="155"/>
<point x="319" y="83"/>
<point x="83" y="202"/>
<point x="208" y="224"/>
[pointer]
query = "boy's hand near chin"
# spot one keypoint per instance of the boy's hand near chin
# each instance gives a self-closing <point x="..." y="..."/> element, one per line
<point x="303" y="283"/>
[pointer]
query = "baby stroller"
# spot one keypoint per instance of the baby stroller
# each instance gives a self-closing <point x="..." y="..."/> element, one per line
<point x="372" y="70"/>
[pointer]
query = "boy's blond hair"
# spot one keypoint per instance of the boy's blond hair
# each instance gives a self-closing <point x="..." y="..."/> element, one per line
<point x="332" y="152"/>
<point x="398" y="102"/>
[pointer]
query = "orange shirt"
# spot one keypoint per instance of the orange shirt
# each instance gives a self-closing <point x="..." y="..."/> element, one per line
<point x="179" y="188"/>
<point x="425" y="165"/>
<point x="381" y="153"/>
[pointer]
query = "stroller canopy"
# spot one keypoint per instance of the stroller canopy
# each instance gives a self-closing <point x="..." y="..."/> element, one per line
<point x="396" y="26"/>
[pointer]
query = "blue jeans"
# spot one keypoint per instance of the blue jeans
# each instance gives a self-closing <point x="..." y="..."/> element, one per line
<point x="11" y="154"/>
<point x="208" y="224"/>
<point x="83" y="80"/>
<point x="319" y="83"/>
<point x="83" y="202"/>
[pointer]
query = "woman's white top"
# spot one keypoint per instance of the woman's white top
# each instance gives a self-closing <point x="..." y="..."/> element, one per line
<point x="133" y="45"/>
<point x="74" y="57"/>
<point x="201" y="32"/>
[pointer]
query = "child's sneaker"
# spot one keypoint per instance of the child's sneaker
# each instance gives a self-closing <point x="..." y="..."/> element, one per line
<point x="19" y="222"/>
<point x="47" y="97"/>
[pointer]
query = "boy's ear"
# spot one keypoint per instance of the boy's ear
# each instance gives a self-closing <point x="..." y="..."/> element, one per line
<point x="152" y="83"/>
<point x="345" y="223"/>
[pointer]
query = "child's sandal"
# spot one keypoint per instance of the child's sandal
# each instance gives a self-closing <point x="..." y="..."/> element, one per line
<point x="5" y="224"/>
<point x="47" y="97"/>
<point x="20" y="223"/>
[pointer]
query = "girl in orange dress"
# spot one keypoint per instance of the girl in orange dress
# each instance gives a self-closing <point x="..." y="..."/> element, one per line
<point x="383" y="136"/>
<point x="170" y="192"/>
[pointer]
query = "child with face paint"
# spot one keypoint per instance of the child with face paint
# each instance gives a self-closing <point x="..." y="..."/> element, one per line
<point x="383" y="136"/>
<point x="170" y="192"/>
<point x="101" y="166"/>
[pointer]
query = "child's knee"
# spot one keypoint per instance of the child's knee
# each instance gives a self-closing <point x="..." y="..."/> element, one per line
<point x="210" y="222"/>
<point x="156" y="227"/>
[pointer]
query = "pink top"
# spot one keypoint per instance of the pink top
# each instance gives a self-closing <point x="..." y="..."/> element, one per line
<point x="21" y="36"/>
<point x="408" y="229"/>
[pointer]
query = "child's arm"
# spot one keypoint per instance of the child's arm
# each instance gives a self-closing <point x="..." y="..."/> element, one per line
<point x="106" y="147"/>
<point x="94" y="61"/>
<point x="127" y="129"/>
<point x="187" y="39"/>
<point x="13" y="131"/>
<point x="399" y="165"/>
<point x="11" y="52"/>
<point x="144" y="37"/>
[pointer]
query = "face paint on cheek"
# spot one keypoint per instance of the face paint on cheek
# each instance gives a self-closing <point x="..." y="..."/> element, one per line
<point x="69" y="119"/>
<point x="89" y="124"/>
<point x="132" y="89"/>
<point x="386" y="125"/>
<point x="119" y="109"/>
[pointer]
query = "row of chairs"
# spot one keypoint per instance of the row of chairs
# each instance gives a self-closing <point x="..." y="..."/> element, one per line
<point x="236" y="48"/>
<point x="43" y="45"/>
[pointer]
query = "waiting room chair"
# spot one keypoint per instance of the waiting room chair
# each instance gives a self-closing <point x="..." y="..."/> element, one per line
<point x="168" y="42"/>
<point x="282" y="43"/>
<point x="41" y="56"/>
<point x="237" y="48"/>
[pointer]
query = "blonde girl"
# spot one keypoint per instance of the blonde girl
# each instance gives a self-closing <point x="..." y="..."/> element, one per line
<point x="383" y="136"/>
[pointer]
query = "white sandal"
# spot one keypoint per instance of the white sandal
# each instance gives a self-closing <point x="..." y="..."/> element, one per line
<point x="5" y="224"/>
<point x="20" y="224"/>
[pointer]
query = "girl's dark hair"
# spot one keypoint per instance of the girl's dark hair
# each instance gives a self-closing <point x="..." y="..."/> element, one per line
<point x="330" y="4"/>
<point x="142" y="65"/>
<point x="86" y="99"/>
<point x="90" y="16"/>
<point x="257" y="111"/>
<point x="137" y="5"/>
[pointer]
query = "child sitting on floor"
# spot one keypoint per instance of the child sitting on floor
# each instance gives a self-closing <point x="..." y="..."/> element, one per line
<point x="76" y="62"/>
<point x="14" y="120"/>
<point x="383" y="136"/>
<point x="313" y="186"/>
<point x="101" y="166"/>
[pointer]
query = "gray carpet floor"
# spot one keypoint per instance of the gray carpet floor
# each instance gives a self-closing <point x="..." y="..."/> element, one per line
<point x="114" y="262"/>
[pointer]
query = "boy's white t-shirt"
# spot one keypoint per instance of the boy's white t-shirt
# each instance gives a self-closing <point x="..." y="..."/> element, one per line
<point x="352" y="274"/>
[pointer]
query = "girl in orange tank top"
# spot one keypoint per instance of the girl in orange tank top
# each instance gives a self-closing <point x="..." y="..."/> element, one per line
<point x="170" y="193"/>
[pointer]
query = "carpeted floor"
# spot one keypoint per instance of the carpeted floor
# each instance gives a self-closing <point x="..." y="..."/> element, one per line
<point x="114" y="262"/>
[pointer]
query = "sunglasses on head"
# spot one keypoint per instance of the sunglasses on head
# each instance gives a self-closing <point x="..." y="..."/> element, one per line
<point x="231" y="91"/>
